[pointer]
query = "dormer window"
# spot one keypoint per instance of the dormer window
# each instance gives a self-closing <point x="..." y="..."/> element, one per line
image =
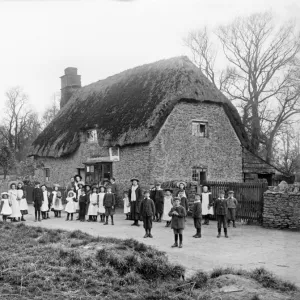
<point x="92" y="136"/>
<point x="199" y="129"/>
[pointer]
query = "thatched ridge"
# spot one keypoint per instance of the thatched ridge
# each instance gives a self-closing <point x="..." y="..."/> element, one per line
<point x="130" y="107"/>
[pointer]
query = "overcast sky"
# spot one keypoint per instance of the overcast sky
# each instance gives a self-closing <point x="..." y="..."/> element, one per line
<point x="39" y="39"/>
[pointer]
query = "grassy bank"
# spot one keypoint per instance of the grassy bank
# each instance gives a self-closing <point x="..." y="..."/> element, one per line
<point x="37" y="263"/>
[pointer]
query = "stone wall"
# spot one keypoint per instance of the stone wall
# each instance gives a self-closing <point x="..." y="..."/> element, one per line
<point x="281" y="210"/>
<point x="175" y="150"/>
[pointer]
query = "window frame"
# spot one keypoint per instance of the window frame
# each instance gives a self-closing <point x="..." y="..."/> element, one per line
<point x="94" y="134"/>
<point x="197" y="132"/>
<point x="47" y="172"/>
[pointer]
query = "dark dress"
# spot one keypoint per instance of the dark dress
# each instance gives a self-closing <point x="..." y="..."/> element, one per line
<point x="82" y="206"/>
<point x="178" y="222"/>
<point x="147" y="211"/>
<point x="184" y="202"/>
<point x="158" y="197"/>
<point x="37" y="198"/>
<point x="135" y="205"/>
<point x="197" y="214"/>
<point x="221" y="209"/>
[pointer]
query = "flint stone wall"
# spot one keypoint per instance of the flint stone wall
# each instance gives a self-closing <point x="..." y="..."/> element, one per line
<point x="281" y="210"/>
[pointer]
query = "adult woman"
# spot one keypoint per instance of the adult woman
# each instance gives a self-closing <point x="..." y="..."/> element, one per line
<point x="135" y="198"/>
<point x="21" y="197"/>
<point x="13" y="195"/>
<point x="207" y="204"/>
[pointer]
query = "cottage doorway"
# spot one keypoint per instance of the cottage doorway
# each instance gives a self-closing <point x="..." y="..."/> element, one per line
<point x="98" y="173"/>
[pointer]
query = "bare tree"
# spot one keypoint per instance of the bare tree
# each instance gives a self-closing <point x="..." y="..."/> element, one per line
<point x="51" y="111"/>
<point x="261" y="75"/>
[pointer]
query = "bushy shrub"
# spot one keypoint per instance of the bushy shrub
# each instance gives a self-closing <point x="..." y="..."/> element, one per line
<point x="200" y="279"/>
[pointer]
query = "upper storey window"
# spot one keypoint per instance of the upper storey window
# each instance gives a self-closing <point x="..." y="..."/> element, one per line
<point x="199" y="129"/>
<point x="92" y="136"/>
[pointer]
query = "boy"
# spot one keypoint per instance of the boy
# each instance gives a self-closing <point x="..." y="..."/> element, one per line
<point x="147" y="211"/>
<point x="37" y="198"/>
<point x="220" y="207"/>
<point x="109" y="203"/>
<point x="82" y="205"/>
<point x="197" y="215"/>
<point x="178" y="214"/>
<point x="232" y="204"/>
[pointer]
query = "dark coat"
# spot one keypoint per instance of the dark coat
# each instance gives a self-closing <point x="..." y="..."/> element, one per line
<point x="177" y="194"/>
<point x="114" y="188"/>
<point x="83" y="199"/>
<point x="184" y="202"/>
<point x="88" y="194"/>
<point x="37" y="198"/>
<point x="147" y="208"/>
<point x="221" y="207"/>
<point x="158" y="197"/>
<point x="109" y="200"/>
<point x="139" y="198"/>
<point x="197" y="210"/>
<point x="178" y="222"/>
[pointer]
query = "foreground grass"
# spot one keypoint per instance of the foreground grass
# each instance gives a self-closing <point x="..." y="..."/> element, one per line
<point x="37" y="263"/>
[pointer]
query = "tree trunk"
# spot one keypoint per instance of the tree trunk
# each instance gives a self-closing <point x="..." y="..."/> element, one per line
<point x="255" y="128"/>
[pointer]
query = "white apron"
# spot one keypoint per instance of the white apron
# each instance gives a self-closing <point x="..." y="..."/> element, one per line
<point x="205" y="203"/>
<point x="16" y="212"/>
<point x="167" y="207"/>
<point x="22" y="201"/>
<point x="126" y="205"/>
<point x="6" y="208"/>
<point x="93" y="209"/>
<point x="70" y="206"/>
<point x="45" y="205"/>
<point x="56" y="202"/>
<point x="101" y="208"/>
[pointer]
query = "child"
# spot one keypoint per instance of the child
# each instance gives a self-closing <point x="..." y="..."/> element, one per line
<point x="157" y="195"/>
<point x="93" y="207"/>
<point x="37" y="198"/>
<point x="232" y="204"/>
<point x="197" y="215"/>
<point x="207" y="204"/>
<point x="168" y="204"/>
<point x="78" y="194"/>
<point x="220" y="207"/>
<point x="147" y="212"/>
<point x="49" y="203"/>
<point x="126" y="205"/>
<point x="70" y="207"/>
<point x="109" y="203"/>
<point x="88" y="194"/>
<point x="5" y="206"/>
<point x="16" y="213"/>
<point x="82" y="205"/>
<point x="178" y="214"/>
<point x="101" y="208"/>
<point x="184" y="201"/>
<point x="22" y="200"/>
<point x="45" y="205"/>
<point x="56" y="201"/>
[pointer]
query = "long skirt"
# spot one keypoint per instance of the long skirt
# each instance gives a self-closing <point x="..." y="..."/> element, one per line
<point x="167" y="207"/>
<point x="16" y="213"/>
<point x="23" y="206"/>
<point x="82" y="209"/>
<point x="93" y="210"/>
<point x="134" y="211"/>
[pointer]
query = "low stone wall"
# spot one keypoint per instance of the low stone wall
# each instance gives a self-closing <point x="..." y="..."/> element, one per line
<point x="281" y="210"/>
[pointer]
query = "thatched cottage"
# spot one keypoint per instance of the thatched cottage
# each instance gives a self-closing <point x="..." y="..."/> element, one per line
<point x="162" y="121"/>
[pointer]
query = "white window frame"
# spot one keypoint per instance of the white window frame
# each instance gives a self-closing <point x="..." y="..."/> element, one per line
<point x="47" y="178"/>
<point x="196" y="125"/>
<point x="114" y="156"/>
<point x="92" y="136"/>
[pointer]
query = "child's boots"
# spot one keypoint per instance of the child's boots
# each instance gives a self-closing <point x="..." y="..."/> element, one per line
<point x="234" y="224"/>
<point x="225" y="232"/>
<point x="198" y="235"/>
<point x="112" y="221"/>
<point x="219" y="232"/>
<point x="106" y="221"/>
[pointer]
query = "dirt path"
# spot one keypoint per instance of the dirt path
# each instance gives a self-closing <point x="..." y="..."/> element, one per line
<point x="248" y="247"/>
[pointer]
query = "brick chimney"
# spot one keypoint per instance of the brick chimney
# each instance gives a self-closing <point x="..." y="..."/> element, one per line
<point x="70" y="82"/>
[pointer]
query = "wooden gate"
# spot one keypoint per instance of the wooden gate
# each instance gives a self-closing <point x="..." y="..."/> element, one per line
<point x="249" y="196"/>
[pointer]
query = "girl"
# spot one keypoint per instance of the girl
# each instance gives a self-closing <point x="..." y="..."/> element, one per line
<point x="5" y="206"/>
<point x="88" y="194"/>
<point x="182" y="185"/>
<point x="168" y="204"/>
<point x="22" y="200"/>
<point x="101" y="208"/>
<point x="45" y="205"/>
<point x="126" y="205"/>
<point x="56" y="201"/>
<point x="78" y="194"/>
<point x="207" y="204"/>
<point x="16" y="213"/>
<point x="93" y="207"/>
<point x="70" y="207"/>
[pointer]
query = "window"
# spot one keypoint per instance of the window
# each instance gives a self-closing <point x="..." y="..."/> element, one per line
<point x="92" y="136"/>
<point x="199" y="129"/>
<point x="114" y="153"/>
<point x="47" y="174"/>
<point x="199" y="174"/>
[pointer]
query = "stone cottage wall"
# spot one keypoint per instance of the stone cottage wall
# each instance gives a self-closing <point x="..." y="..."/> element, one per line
<point x="281" y="210"/>
<point x="175" y="150"/>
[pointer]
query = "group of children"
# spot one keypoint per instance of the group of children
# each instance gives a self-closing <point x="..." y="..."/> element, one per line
<point x="155" y="205"/>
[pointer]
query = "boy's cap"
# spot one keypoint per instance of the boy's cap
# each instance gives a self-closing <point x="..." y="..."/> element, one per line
<point x="169" y="190"/>
<point x="222" y="192"/>
<point x="176" y="198"/>
<point x="231" y="192"/>
<point x="146" y="192"/>
<point x="36" y="182"/>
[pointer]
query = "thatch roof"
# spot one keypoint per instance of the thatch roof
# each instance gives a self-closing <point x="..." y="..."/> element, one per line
<point x="130" y="107"/>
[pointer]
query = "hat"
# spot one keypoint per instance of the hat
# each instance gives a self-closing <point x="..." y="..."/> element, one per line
<point x="77" y="175"/>
<point x="36" y="182"/>
<point x="230" y="192"/>
<point x="101" y="185"/>
<point x="176" y="198"/>
<point x="4" y="193"/>
<point x="55" y="185"/>
<point x="221" y="192"/>
<point x="21" y="182"/>
<point x="69" y="192"/>
<point x="171" y="191"/>
<point x="11" y="183"/>
<point x="94" y="187"/>
<point x="181" y="182"/>
<point x="156" y="183"/>
<point x="147" y="191"/>
<point x="86" y="185"/>
<point x="132" y="179"/>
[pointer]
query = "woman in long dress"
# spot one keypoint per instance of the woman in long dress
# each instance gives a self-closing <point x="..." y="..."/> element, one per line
<point x="45" y="205"/>
<point x="207" y="205"/>
<point x="168" y="204"/>
<point x="101" y="208"/>
<point x="135" y="198"/>
<point x="13" y="195"/>
<point x="21" y="197"/>
<point x="5" y="206"/>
